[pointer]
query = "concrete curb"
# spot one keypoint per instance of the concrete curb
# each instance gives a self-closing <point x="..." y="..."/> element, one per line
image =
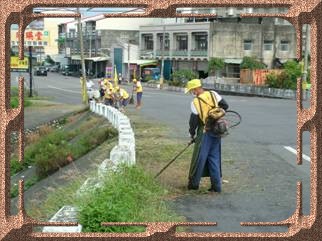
<point x="65" y="214"/>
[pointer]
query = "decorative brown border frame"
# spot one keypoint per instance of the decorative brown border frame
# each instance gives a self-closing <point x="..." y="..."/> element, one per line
<point x="20" y="226"/>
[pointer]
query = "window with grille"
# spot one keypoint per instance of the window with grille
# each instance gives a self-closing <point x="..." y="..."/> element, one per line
<point x="268" y="45"/>
<point x="248" y="44"/>
<point x="201" y="42"/>
<point x="284" y="45"/>
<point x="182" y="42"/>
<point x="166" y="42"/>
<point x="148" y="40"/>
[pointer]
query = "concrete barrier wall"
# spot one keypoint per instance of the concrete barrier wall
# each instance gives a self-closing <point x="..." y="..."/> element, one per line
<point x="123" y="152"/>
<point x="242" y="89"/>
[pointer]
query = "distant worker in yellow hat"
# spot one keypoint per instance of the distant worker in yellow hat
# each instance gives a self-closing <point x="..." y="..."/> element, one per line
<point x="122" y="96"/>
<point x="139" y="92"/>
<point x="206" y="157"/>
<point x="109" y="97"/>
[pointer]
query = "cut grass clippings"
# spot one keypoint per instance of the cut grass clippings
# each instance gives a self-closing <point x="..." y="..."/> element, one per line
<point x="155" y="147"/>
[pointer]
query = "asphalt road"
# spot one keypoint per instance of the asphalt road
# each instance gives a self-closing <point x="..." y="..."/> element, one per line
<point x="258" y="156"/>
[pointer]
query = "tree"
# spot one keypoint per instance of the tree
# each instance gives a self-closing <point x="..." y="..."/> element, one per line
<point x="180" y="77"/>
<point x="215" y="64"/>
<point x="251" y="63"/>
<point x="49" y="60"/>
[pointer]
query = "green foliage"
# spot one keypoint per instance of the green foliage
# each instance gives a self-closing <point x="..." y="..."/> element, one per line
<point x="27" y="184"/>
<point x="14" y="102"/>
<point x="128" y="195"/>
<point x="49" y="60"/>
<point x="251" y="63"/>
<point x="180" y="77"/>
<point x="280" y="81"/>
<point x="15" y="166"/>
<point x="287" y="78"/>
<point x="292" y="70"/>
<point x="58" y="152"/>
<point x="215" y="64"/>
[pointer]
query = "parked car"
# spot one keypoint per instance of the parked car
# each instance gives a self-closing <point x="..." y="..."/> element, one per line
<point x="41" y="71"/>
<point x="54" y="68"/>
<point x="66" y="70"/>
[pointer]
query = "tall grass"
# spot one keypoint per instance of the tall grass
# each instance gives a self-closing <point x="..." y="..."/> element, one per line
<point x="128" y="195"/>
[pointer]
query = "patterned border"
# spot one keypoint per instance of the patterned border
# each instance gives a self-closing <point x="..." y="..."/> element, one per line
<point x="19" y="227"/>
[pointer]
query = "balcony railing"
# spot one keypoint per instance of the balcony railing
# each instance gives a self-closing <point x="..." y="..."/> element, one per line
<point x="197" y="53"/>
<point x="165" y="53"/>
<point x="180" y="53"/>
<point x="145" y="52"/>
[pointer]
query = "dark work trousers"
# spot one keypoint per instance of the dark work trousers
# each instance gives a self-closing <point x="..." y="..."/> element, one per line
<point x="210" y="155"/>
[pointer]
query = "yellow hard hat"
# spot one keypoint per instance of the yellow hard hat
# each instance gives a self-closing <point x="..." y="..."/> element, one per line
<point x="192" y="84"/>
<point x="134" y="80"/>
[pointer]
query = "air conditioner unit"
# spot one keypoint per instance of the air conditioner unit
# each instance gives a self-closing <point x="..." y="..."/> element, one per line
<point x="249" y="10"/>
<point x="231" y="12"/>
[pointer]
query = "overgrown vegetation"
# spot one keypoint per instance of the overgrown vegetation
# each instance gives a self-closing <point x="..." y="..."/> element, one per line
<point x="180" y="77"/>
<point x="14" y="101"/>
<point x="128" y="195"/>
<point x="50" y="149"/>
<point x="215" y="64"/>
<point x="251" y="63"/>
<point x="287" y="78"/>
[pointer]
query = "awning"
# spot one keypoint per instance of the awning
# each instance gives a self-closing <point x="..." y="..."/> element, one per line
<point x="233" y="61"/>
<point x="94" y="59"/>
<point x="98" y="59"/>
<point x="143" y="62"/>
<point x="76" y="57"/>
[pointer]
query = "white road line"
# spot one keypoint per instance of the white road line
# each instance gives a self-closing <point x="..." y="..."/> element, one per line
<point x="71" y="91"/>
<point x="305" y="157"/>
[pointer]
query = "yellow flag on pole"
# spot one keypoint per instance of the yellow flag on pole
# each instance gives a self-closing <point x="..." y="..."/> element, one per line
<point x="115" y="77"/>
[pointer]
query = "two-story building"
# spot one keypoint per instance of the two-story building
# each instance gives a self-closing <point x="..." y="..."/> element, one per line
<point x="191" y="43"/>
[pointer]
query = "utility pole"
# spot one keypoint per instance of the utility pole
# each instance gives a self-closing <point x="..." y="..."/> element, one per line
<point x="306" y="52"/>
<point x="128" y="61"/>
<point x="162" y="58"/>
<point x="81" y="45"/>
<point x="30" y="71"/>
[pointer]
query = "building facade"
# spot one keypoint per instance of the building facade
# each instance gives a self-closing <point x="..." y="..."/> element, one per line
<point x="106" y="43"/>
<point x="192" y="42"/>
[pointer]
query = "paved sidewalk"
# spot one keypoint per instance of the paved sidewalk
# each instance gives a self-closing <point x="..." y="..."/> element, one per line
<point x="37" y="115"/>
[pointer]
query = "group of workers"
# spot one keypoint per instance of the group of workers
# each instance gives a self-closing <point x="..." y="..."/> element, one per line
<point x="117" y="96"/>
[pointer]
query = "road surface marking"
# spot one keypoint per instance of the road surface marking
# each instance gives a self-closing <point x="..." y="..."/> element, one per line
<point x="305" y="157"/>
<point x="71" y="91"/>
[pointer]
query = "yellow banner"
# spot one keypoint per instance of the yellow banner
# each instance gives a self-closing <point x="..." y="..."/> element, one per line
<point x="15" y="63"/>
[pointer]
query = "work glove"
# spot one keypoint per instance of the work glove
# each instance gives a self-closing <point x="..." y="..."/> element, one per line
<point x="192" y="140"/>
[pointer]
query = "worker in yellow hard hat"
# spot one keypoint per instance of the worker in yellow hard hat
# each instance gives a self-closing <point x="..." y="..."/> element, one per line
<point x="206" y="158"/>
<point x="107" y="84"/>
<point x="137" y="86"/>
<point x="109" y="96"/>
<point x="122" y="96"/>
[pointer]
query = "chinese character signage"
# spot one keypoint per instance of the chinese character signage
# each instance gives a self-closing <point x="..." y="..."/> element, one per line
<point x="19" y="65"/>
<point x="32" y="38"/>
